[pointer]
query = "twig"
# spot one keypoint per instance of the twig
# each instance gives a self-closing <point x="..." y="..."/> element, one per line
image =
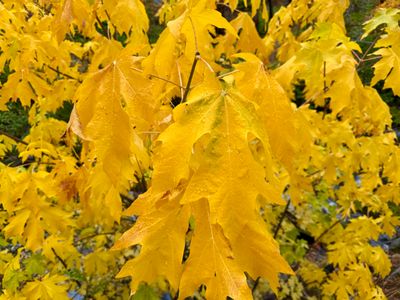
<point x="256" y="282"/>
<point x="105" y="30"/>
<point x="371" y="58"/>
<point x="59" y="258"/>
<point x="17" y="139"/>
<point x="325" y="90"/>
<point x="363" y="57"/>
<point x="65" y="266"/>
<point x="322" y="235"/>
<point x="108" y="26"/>
<point x="278" y="226"/>
<point x="356" y="55"/>
<point x="63" y="74"/>
<point x="369" y="48"/>
<point x="94" y="235"/>
<point x="195" y="60"/>
<point x="270" y="8"/>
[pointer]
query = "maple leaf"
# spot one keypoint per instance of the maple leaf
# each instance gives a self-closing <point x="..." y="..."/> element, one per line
<point x="127" y="16"/>
<point x="248" y="39"/>
<point x="71" y="12"/>
<point x="102" y="102"/>
<point x="388" y="67"/>
<point x="388" y="16"/>
<point x="31" y="214"/>
<point x="215" y="160"/>
<point x="47" y="288"/>
<point x="211" y="261"/>
<point x="275" y="109"/>
<point x="161" y="232"/>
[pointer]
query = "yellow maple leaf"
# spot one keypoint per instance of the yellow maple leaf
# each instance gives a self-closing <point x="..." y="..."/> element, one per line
<point x="161" y="232"/>
<point x="388" y="67"/>
<point x="48" y="288"/>
<point x="211" y="261"/>
<point x="101" y="117"/>
<point x="215" y="162"/>
<point x="388" y="16"/>
<point x="32" y="214"/>
<point x="70" y="12"/>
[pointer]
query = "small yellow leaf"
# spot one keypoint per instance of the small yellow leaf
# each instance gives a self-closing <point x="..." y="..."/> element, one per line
<point x="48" y="288"/>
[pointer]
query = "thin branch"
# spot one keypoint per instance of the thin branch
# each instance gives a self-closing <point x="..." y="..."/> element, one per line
<point x="59" y="258"/>
<point x="371" y="58"/>
<point x="255" y="285"/>
<point x="356" y="55"/>
<point x="105" y="30"/>
<point x="325" y="90"/>
<point x="369" y="48"/>
<point x="322" y="235"/>
<point x="195" y="60"/>
<point x="94" y="235"/>
<point x="17" y="139"/>
<point x="278" y="226"/>
<point x="326" y="231"/>
<point x="270" y="9"/>
<point x="65" y="265"/>
<point x="363" y="57"/>
<point x="63" y="74"/>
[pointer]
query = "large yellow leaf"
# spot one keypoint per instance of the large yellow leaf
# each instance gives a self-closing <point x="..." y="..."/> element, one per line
<point x="214" y="162"/>
<point x="101" y="116"/>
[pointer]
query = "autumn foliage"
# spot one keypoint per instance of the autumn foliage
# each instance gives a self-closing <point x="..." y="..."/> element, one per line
<point x="236" y="156"/>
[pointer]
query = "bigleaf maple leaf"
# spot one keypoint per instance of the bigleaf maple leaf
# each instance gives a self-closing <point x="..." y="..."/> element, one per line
<point x="220" y="180"/>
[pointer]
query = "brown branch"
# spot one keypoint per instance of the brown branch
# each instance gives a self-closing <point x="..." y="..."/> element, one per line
<point x="255" y="285"/>
<point x="17" y="139"/>
<point x="105" y="30"/>
<point x="94" y="235"/>
<point x="65" y="266"/>
<point x="322" y="235"/>
<point x="278" y="226"/>
<point x="59" y="258"/>
<point x="63" y="74"/>
<point x="195" y="60"/>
